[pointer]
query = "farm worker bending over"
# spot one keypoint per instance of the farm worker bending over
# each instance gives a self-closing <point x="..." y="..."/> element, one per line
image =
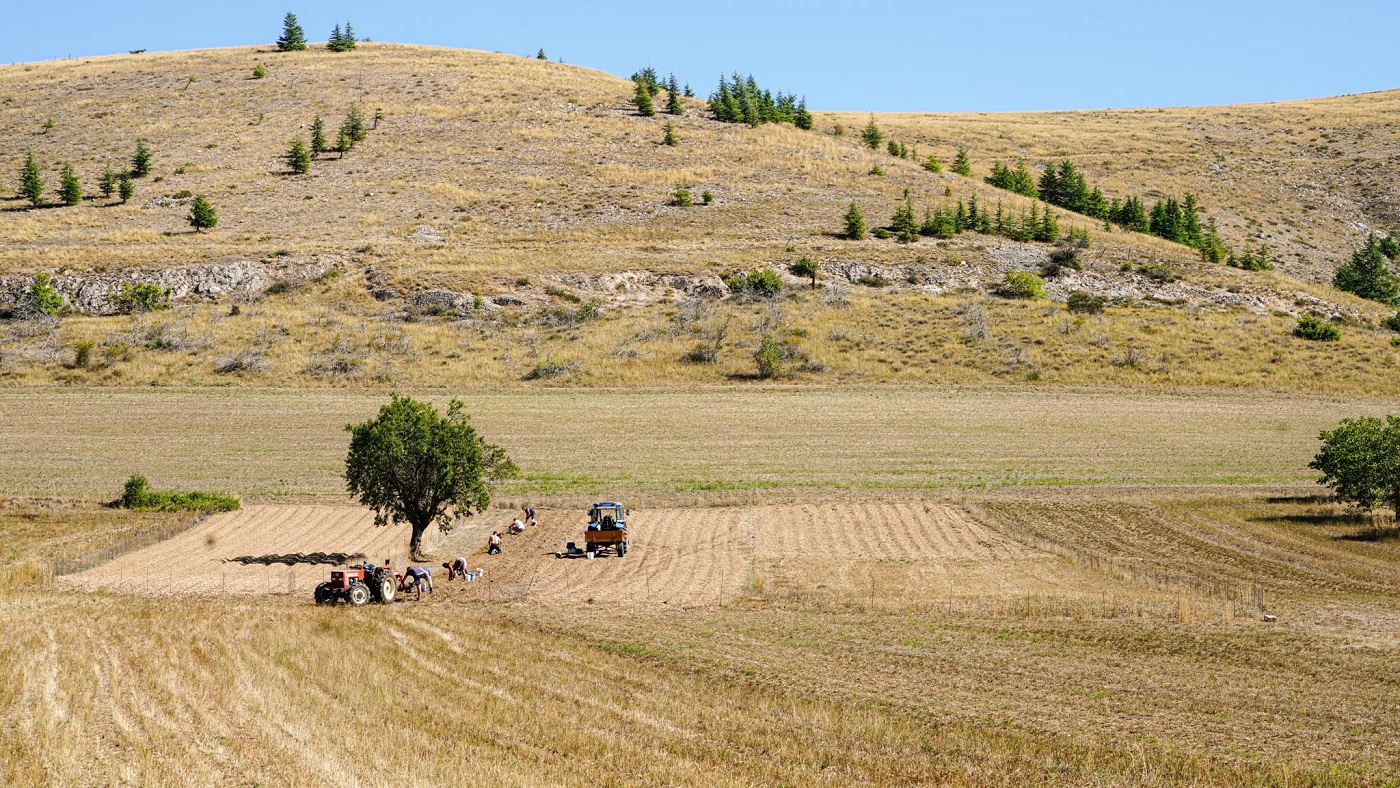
<point x="529" y="515"/>
<point x="516" y="527"/>
<point x="493" y="544"/>
<point x="418" y="577"/>
<point x="457" y="567"/>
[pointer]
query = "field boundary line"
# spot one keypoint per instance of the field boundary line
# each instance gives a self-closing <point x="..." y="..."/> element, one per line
<point x="96" y="558"/>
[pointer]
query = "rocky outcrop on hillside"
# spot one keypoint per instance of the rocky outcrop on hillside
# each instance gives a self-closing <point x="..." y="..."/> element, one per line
<point x="88" y="291"/>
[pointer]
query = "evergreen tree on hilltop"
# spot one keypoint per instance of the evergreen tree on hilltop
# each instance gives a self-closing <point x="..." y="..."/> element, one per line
<point x="31" y="181"/>
<point x="674" y="106"/>
<point x="108" y="182"/>
<point x="293" y="37"/>
<point x="69" y="186"/>
<point x="540" y="55"/>
<point x="643" y="101"/>
<point x="648" y="79"/>
<point x="1367" y="275"/>
<point x="348" y="40"/>
<point x="336" y="43"/>
<point x="871" y="135"/>
<point x="202" y="215"/>
<point x="355" y="124"/>
<point x="962" y="165"/>
<point x="141" y="160"/>
<point x="298" y="157"/>
<point x="318" y="136"/>
<point x="802" y="118"/>
<point x="855" y="222"/>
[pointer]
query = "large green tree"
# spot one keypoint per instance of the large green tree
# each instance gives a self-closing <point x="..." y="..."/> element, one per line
<point x="643" y="101"/>
<point x="1367" y="274"/>
<point x="293" y="37"/>
<point x="1360" y="460"/>
<point x="854" y="222"/>
<point x="411" y="464"/>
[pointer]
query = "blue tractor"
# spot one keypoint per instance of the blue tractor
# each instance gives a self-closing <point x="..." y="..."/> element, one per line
<point x="607" y="529"/>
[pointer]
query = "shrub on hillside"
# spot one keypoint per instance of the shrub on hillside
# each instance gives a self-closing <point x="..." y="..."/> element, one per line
<point x="137" y="498"/>
<point x="1021" y="284"/>
<point x="1367" y="274"/>
<point x="1085" y="303"/>
<point x="681" y="198"/>
<point x="1157" y="273"/>
<point x="137" y="297"/>
<point x="756" y="284"/>
<point x="1316" y="329"/>
<point x="41" y="296"/>
<point x="1393" y="322"/>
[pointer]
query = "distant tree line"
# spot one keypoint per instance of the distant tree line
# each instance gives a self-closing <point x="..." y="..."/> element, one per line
<point x="293" y="38"/>
<point x="70" y="189"/>
<point x="950" y="219"/>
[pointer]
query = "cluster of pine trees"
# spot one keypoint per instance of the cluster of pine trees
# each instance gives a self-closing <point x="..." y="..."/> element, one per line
<point x="293" y="38"/>
<point x="70" y="189"/>
<point x="342" y="41"/>
<point x="1367" y="273"/>
<point x="948" y="220"/>
<point x="352" y="130"/>
<point x="649" y="85"/>
<point x="740" y="100"/>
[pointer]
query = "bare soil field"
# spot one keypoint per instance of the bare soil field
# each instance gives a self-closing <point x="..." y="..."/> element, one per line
<point x="201" y="561"/>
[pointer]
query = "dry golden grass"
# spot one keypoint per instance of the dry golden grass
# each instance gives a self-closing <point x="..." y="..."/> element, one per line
<point x="517" y="165"/>
<point x="682" y="444"/>
<point x="1309" y="178"/>
<point x="867" y="336"/>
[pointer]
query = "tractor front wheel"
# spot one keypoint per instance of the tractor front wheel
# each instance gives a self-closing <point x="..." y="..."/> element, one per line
<point x="358" y="594"/>
<point x="387" y="588"/>
<point x="324" y="595"/>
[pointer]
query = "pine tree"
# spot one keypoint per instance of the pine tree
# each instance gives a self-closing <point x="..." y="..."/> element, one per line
<point x="1191" y="221"/>
<point x="1049" y="231"/>
<point x="903" y="224"/>
<point x="337" y="41"/>
<point x="670" y="137"/>
<point x="643" y="101"/>
<point x="69" y="186"/>
<point x="202" y="215"/>
<point x="318" y="136"/>
<point x="343" y="142"/>
<point x="688" y="92"/>
<point x="31" y="181"/>
<point x="855" y="222"/>
<point x="108" y="182"/>
<point x="932" y="165"/>
<point x="674" y="105"/>
<point x="962" y="165"/>
<point x="802" y="119"/>
<point x="298" y="157"/>
<point x="540" y="55"/>
<point x="125" y="188"/>
<point x="293" y="37"/>
<point x="347" y="41"/>
<point x="872" y="135"/>
<point x="141" y="160"/>
<point x="1367" y="275"/>
<point x="355" y="124"/>
<point x="1212" y="248"/>
<point x="1050" y="186"/>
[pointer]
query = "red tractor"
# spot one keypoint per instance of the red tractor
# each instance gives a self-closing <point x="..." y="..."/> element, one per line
<point x="358" y="585"/>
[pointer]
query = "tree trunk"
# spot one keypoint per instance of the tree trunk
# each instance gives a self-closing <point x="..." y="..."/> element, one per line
<point x="415" y="542"/>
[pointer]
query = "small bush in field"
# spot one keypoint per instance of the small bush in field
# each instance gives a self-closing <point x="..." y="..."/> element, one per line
<point x="1021" y="284"/>
<point x="1314" y="328"/>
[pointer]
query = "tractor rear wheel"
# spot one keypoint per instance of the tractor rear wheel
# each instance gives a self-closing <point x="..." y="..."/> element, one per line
<point x="387" y="587"/>
<point x="324" y="595"/>
<point x="621" y="549"/>
<point x="358" y="593"/>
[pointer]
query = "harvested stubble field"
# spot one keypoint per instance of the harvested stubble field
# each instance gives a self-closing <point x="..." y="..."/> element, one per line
<point x="679" y="445"/>
<point x="202" y="559"/>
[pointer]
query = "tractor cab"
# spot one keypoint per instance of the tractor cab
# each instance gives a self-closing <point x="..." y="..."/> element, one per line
<point x="607" y="517"/>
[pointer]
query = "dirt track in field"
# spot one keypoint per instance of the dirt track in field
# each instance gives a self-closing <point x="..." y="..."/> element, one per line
<point x="201" y="560"/>
<point x="684" y="557"/>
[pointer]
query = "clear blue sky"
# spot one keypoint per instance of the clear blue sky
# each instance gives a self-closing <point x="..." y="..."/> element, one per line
<point x="879" y="56"/>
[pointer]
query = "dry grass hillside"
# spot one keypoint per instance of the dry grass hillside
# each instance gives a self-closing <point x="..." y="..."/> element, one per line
<point x="1309" y="178"/>
<point x="523" y="189"/>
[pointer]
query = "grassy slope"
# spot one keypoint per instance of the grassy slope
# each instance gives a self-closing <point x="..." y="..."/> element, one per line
<point x="1309" y="178"/>
<point x="519" y="165"/>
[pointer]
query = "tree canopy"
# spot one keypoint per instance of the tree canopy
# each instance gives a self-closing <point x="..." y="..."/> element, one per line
<point x="1367" y="274"/>
<point x="410" y="464"/>
<point x="1360" y="461"/>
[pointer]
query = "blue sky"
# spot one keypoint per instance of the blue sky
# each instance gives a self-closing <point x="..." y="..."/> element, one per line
<point x="962" y="56"/>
